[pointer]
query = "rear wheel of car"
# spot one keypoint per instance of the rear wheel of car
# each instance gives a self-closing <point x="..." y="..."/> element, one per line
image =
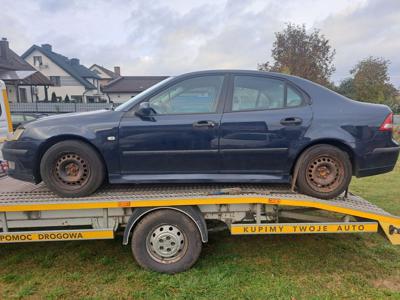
<point x="72" y="169"/>
<point x="324" y="171"/>
<point x="166" y="241"/>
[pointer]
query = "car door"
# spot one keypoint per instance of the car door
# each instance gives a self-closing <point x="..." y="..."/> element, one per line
<point x="263" y="126"/>
<point x="181" y="135"/>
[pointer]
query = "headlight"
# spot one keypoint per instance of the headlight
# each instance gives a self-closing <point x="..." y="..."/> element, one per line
<point x="16" y="134"/>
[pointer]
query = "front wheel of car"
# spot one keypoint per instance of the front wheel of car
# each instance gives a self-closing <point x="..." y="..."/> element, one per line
<point x="324" y="171"/>
<point x="72" y="169"/>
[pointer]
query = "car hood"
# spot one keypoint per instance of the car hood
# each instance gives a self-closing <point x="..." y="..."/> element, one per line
<point x="88" y="125"/>
<point x="82" y="118"/>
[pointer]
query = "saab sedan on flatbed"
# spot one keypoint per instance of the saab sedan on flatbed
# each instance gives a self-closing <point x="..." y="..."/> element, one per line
<point x="211" y="126"/>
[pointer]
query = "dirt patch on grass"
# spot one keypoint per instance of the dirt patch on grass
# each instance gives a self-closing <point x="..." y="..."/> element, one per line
<point x="390" y="283"/>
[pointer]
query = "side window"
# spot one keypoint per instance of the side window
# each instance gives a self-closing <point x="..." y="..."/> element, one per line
<point x="293" y="97"/>
<point x="190" y="96"/>
<point x="261" y="93"/>
<point x="55" y="80"/>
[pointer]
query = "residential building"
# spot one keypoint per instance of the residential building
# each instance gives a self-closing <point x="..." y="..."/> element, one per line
<point x="23" y="82"/>
<point x="68" y="76"/>
<point x="125" y="87"/>
<point x="105" y="74"/>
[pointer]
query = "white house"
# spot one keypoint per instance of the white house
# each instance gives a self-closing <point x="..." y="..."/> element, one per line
<point x="125" y="87"/>
<point x="105" y="74"/>
<point x="23" y="82"/>
<point x="68" y="76"/>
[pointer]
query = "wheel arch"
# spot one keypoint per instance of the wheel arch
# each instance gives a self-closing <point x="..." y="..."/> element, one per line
<point x="193" y="212"/>
<point x="342" y="145"/>
<point x="60" y="138"/>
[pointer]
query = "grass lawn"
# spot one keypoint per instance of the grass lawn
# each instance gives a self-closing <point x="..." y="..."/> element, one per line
<point x="363" y="266"/>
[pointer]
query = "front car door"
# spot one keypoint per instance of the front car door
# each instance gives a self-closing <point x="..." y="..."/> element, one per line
<point x="263" y="126"/>
<point x="181" y="135"/>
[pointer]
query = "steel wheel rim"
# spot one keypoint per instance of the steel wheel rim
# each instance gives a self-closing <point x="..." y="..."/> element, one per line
<point x="71" y="170"/>
<point x="166" y="244"/>
<point x="325" y="173"/>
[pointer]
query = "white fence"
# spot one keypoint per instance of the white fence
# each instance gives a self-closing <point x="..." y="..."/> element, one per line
<point x="49" y="107"/>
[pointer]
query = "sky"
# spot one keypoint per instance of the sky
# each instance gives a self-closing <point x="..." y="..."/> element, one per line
<point x="146" y="37"/>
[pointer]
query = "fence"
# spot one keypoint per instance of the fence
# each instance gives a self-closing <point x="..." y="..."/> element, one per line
<point x="49" y="107"/>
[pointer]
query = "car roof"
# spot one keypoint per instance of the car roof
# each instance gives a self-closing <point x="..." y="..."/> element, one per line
<point x="239" y="71"/>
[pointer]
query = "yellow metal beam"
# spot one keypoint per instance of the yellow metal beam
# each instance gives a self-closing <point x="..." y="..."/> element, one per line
<point x="301" y="228"/>
<point x="8" y="112"/>
<point x="384" y="220"/>
<point x="322" y="204"/>
<point x="392" y="232"/>
<point x="52" y="235"/>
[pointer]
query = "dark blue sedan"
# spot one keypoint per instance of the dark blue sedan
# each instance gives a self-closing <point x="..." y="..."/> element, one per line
<point x="211" y="126"/>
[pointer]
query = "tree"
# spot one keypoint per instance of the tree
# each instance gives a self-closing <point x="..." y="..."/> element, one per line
<point x="66" y="99"/>
<point x="346" y="88"/>
<point x="298" y="53"/>
<point x="371" y="81"/>
<point x="53" y="97"/>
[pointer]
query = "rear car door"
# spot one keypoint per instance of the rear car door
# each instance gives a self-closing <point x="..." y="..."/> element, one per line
<point x="263" y="126"/>
<point x="181" y="136"/>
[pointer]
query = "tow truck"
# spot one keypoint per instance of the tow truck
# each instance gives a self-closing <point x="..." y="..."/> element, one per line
<point x="167" y="224"/>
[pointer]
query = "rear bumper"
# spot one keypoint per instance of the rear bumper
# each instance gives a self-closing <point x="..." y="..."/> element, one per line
<point x="380" y="160"/>
<point x="20" y="161"/>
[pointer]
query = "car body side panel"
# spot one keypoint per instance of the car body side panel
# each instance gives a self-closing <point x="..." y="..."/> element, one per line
<point x="354" y="124"/>
<point x="98" y="128"/>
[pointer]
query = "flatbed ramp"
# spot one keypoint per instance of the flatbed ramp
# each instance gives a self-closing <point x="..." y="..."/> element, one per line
<point x="36" y="214"/>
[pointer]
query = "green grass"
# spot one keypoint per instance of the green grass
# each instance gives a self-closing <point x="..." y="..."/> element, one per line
<point x="345" y="266"/>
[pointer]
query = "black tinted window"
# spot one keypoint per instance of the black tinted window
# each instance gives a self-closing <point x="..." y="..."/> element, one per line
<point x="261" y="93"/>
<point x="194" y="95"/>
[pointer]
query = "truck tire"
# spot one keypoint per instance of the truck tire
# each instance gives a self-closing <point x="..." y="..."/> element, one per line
<point x="325" y="171"/>
<point x="72" y="169"/>
<point x="166" y="241"/>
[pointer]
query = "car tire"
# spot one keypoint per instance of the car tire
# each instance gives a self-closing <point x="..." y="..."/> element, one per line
<point x="72" y="169"/>
<point x="166" y="241"/>
<point x="324" y="171"/>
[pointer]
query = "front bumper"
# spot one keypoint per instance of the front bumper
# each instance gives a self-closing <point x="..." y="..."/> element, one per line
<point x="21" y="157"/>
<point x="378" y="161"/>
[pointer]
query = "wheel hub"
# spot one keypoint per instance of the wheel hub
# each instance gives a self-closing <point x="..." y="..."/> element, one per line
<point x="324" y="173"/>
<point x="165" y="243"/>
<point x="71" y="169"/>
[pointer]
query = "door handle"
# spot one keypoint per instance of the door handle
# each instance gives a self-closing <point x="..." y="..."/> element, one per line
<point x="291" y="121"/>
<point x="204" y="123"/>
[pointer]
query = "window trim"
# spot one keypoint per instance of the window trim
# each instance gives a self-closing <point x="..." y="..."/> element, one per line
<point x="220" y="101"/>
<point x="229" y="101"/>
<point x="39" y="59"/>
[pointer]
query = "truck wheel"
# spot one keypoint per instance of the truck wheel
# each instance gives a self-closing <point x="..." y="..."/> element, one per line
<point x="72" y="169"/>
<point x="325" y="172"/>
<point x="166" y="241"/>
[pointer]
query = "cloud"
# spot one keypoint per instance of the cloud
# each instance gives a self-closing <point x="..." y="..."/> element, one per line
<point x="364" y="30"/>
<point x="171" y="37"/>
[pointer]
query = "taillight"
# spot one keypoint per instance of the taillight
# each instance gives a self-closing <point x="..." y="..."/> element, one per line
<point x="387" y="125"/>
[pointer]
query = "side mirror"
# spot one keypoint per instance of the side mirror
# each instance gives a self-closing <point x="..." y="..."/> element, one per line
<point x="144" y="110"/>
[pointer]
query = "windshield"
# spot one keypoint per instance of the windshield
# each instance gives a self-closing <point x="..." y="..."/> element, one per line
<point x="141" y="95"/>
